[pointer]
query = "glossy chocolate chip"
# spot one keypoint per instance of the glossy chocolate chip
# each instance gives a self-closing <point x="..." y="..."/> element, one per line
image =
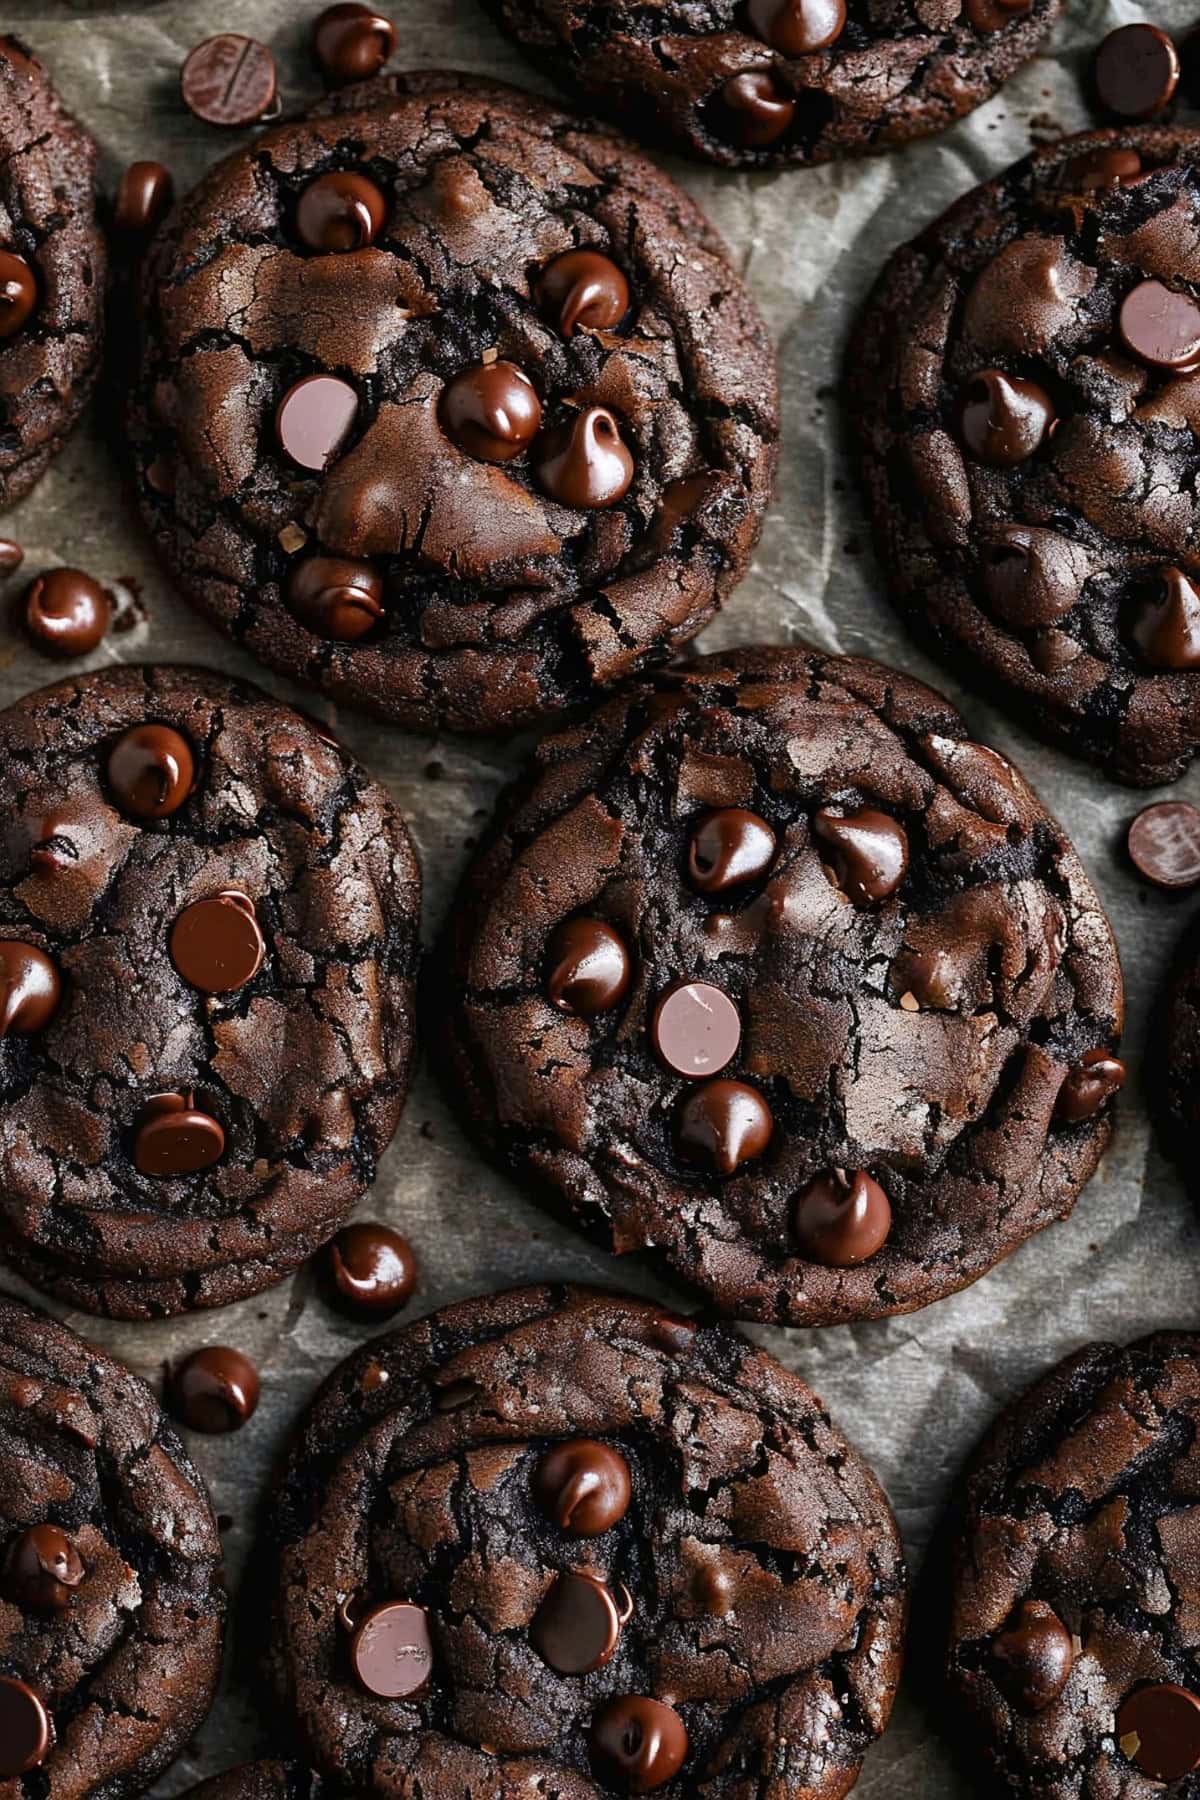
<point x="727" y="848"/>
<point x="25" y="1733"/>
<point x="1164" y="845"/>
<point x="314" y="419"/>
<point x="585" y="463"/>
<point x="1034" y="1657"/>
<point x="151" y="771"/>
<point x="1096" y="1077"/>
<point x="391" y="1652"/>
<point x="42" y="1569"/>
<point x="867" y="850"/>
<point x="842" y="1219"/>
<point x="583" y="290"/>
<point x="1004" y="418"/>
<point x="340" y="211"/>
<point x="1158" y="1730"/>
<point x="578" y="1625"/>
<point x="11" y="556"/>
<point x="638" y="1744"/>
<point x="372" y="1269"/>
<point x="230" y="80"/>
<point x="30" y="988"/>
<point x="1161" y="326"/>
<point x="217" y="944"/>
<point x="798" y="27"/>
<point x="174" y="1137"/>
<point x="352" y="42"/>
<point x="696" y="1029"/>
<point x="994" y="15"/>
<point x="18" y="292"/>
<point x="1136" y="72"/>
<point x="214" y="1389"/>
<point x="1098" y="169"/>
<point x="723" y="1125"/>
<point x="335" y="596"/>
<point x="1166" y="621"/>
<point x="1030" y="576"/>
<point x="67" y="612"/>
<point x="583" y="1486"/>
<point x="491" y="411"/>
<point x="143" y="198"/>
<point x="755" y="109"/>
<point x="587" y="968"/>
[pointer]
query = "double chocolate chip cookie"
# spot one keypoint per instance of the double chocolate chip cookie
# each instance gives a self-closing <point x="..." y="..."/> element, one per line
<point x="52" y="271"/>
<point x="208" y="940"/>
<point x="769" y="968"/>
<point x="111" y="1600"/>
<point x="267" y="1780"/>
<point x="763" y="83"/>
<point x="1027" y="383"/>
<point x="559" y="1542"/>
<point x="451" y="406"/>
<point x="1077" y="1567"/>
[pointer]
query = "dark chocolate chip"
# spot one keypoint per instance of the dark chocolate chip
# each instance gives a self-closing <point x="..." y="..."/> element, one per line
<point x="1164" y="844"/>
<point x="217" y="944"/>
<point x="1136" y="72"/>
<point x="1030" y="576"/>
<point x="314" y="419"/>
<point x="42" y="1569"/>
<point x="340" y="211"/>
<point x="842" y="1219"/>
<point x="491" y="411"/>
<point x="18" y="292"/>
<point x="229" y="80"/>
<point x="25" y="1732"/>
<point x="639" y="1744"/>
<point x="151" y="771"/>
<point x="214" y="1389"/>
<point x="174" y="1137"/>
<point x="1161" y="326"/>
<point x="11" y="556"/>
<point x="868" y="852"/>
<point x="336" y="597"/>
<point x="372" y="1269"/>
<point x="994" y="15"/>
<point x="587" y="968"/>
<point x="1098" y="169"/>
<point x="755" y="109"/>
<point x="1166" y="621"/>
<point x="723" y="1125"/>
<point x="1004" y="418"/>
<point x="696" y="1029"/>
<point x="583" y="290"/>
<point x="1095" y="1079"/>
<point x="391" y="1652"/>
<point x="67" y="612"/>
<point x="1158" y="1730"/>
<point x="798" y="27"/>
<point x="583" y="1486"/>
<point x="585" y="463"/>
<point x="30" y="988"/>
<point x="578" y="1625"/>
<point x="728" y="847"/>
<point x="352" y="42"/>
<point x="1034" y="1657"/>
<point x="143" y="198"/>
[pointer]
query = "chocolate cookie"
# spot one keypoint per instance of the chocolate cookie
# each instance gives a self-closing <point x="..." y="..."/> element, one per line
<point x="1025" y="380"/>
<point x="1077" y="1581"/>
<point x="111" y="1600"/>
<point x="268" y="1780"/>
<point x="451" y="407"/>
<point x="208" y="940"/>
<point x="52" y="271"/>
<point x="560" y="1542"/>
<point x="768" y="968"/>
<point x="777" y="82"/>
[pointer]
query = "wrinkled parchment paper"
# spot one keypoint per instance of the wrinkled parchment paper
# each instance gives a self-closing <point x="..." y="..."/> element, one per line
<point x="914" y="1393"/>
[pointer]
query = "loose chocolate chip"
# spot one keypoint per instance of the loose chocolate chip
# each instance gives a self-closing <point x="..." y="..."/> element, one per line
<point x="352" y="42"/>
<point x="585" y="462"/>
<point x="67" y="612"/>
<point x="1096" y="1078"/>
<point x="1166" y="621"/>
<point x="583" y="290"/>
<point x="798" y="27"/>
<point x="1030" y="576"/>
<point x="340" y="211"/>
<point x="24" y="1728"/>
<point x="335" y="597"/>
<point x="583" y="1486"/>
<point x="18" y="292"/>
<point x="314" y="419"/>
<point x="491" y="411"/>
<point x="639" y="1744"/>
<point x="1004" y="418"/>
<point x="151" y="771"/>
<point x="143" y="198"/>
<point x="229" y="80"/>
<point x="728" y="847"/>
<point x="1158" y="1729"/>
<point x="217" y="944"/>
<point x="1164" y="844"/>
<point x="11" y="556"/>
<point x="723" y="1125"/>
<point x="1034" y="1657"/>
<point x="696" y="1029"/>
<point x="175" y="1138"/>
<point x="578" y="1625"/>
<point x="1161" y="326"/>
<point x="30" y="988"/>
<point x="1136" y="72"/>
<point x="42" y="1569"/>
<point x="588" y="968"/>
<point x="1101" y="169"/>
<point x="214" y="1389"/>
<point x="391" y="1652"/>
<point x="868" y="851"/>
<point x="842" y="1219"/>
<point x="755" y="109"/>
<point x="372" y="1269"/>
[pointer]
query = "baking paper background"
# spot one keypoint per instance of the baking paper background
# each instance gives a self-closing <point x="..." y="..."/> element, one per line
<point x="913" y="1393"/>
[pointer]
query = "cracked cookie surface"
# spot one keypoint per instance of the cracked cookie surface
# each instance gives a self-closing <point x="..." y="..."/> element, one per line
<point x="208" y="945"/>
<point x="1076" y="1589"/>
<point x="111" y="1599"/>
<point x="1025" y="381"/>
<point x="506" y="1472"/>
<point x="451" y="406"/>
<point x="266" y="1780"/>
<point x="769" y="969"/>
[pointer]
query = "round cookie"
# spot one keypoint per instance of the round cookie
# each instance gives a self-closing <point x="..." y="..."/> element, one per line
<point x="451" y="407"/>
<point x="208" y="945"/>
<point x="769" y="969"/>
<point x="773" y="83"/>
<point x="556" y="1541"/>
<point x="53" y="268"/>
<point x="1072" y="1642"/>
<point x="111" y="1598"/>
<point x="1025" y="388"/>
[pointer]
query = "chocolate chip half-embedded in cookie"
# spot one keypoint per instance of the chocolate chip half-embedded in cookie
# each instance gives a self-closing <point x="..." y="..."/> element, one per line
<point x="53" y="269"/>
<point x="111" y="1597"/>
<point x="453" y="445"/>
<point x="208" y="948"/>
<point x="1075" y="1581"/>
<point x="768" y="969"/>
<point x="1026" y="380"/>
<point x="562" y="1542"/>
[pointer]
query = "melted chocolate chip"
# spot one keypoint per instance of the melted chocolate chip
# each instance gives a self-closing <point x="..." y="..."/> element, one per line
<point x="229" y="80"/>
<point x="314" y="419"/>
<point x="727" y="848"/>
<point x="585" y="463"/>
<point x="25" y="1732"/>
<point x="1102" y="169"/>
<point x="798" y="27"/>
<point x="352" y="42"/>
<point x="217" y="944"/>
<point x="391" y="1652"/>
<point x="1136" y="72"/>
<point x="696" y="1029"/>
<point x="340" y="211"/>
<point x="1158" y="1729"/>
<point x="1095" y="1079"/>
<point x="42" y="1569"/>
<point x="639" y="1744"/>
<point x="143" y="198"/>
<point x="174" y="1137"/>
<point x="336" y="597"/>
<point x="151" y="771"/>
<point x="214" y="1389"/>
<point x="1166" y="621"/>
<point x="868" y="851"/>
<point x="578" y="1625"/>
<point x="723" y="1125"/>
<point x="491" y="411"/>
<point x="583" y="1487"/>
<point x="1034" y="1657"/>
<point x="588" y="968"/>
<point x="583" y="290"/>
<point x="755" y="109"/>
<point x="1004" y="418"/>
<point x="372" y="1269"/>
<point x="67" y="612"/>
<point x="18" y="292"/>
<point x="30" y="988"/>
<point x="1164" y="845"/>
<point x="1161" y="326"/>
<point x="842" y="1219"/>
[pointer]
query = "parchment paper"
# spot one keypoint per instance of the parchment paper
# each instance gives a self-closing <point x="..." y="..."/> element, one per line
<point x="914" y="1393"/>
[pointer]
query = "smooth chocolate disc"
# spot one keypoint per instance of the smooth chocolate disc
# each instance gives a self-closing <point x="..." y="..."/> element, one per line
<point x="1166" y="621"/>
<point x="868" y="851"/>
<point x="151" y="771"/>
<point x="214" y="1389"/>
<point x="798" y="27"/>
<point x="24" y="1728"/>
<point x="42" y="1569"/>
<point x="588" y="968"/>
<point x="728" y="847"/>
<point x="696" y="1029"/>
<point x="352" y="42"/>
<point x="143" y="198"/>
<point x="1161" y="326"/>
<point x="314" y="419"/>
<point x="755" y="108"/>
<point x="1096" y="1077"/>
<point x="391" y="1651"/>
<point x="336" y="596"/>
<point x="340" y="211"/>
<point x="174" y="1137"/>
<point x="18" y="292"/>
<point x="583" y="1486"/>
<point x="1164" y="844"/>
<point x="67" y="612"/>
<point x="1136" y="72"/>
<point x="585" y="463"/>
<point x="722" y="1125"/>
<point x="639" y="1744"/>
<point x="583" y="290"/>
<point x="1004" y="418"/>
<point x="373" y="1269"/>
<point x="217" y="944"/>
<point x="1034" y="1657"/>
<point x="842" y="1219"/>
<point x="1158" y="1729"/>
<point x="30" y="988"/>
<point x="578" y="1625"/>
<point x="491" y="411"/>
<point x="230" y="80"/>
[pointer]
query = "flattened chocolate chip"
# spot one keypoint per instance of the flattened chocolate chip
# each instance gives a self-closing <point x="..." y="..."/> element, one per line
<point x="67" y="612"/>
<point x="314" y="419"/>
<point x="1161" y="326"/>
<point x="491" y="411"/>
<point x="578" y="1625"/>
<point x="217" y="944"/>
<point x="583" y="290"/>
<point x="842" y="1219"/>
<point x="585" y="463"/>
<point x="1158" y="1729"/>
<point x="214" y="1389"/>
<point x="336" y="596"/>
<point x="143" y="198"/>
<point x="391" y="1651"/>
<point x="18" y="292"/>
<point x="352" y="42"/>
<point x="1136" y="72"/>
<point x="24" y="1728"/>
<point x="1004" y="418"/>
<point x="174" y="1137"/>
<point x="696" y="1029"/>
<point x="1034" y="1657"/>
<point x="151" y="771"/>
<point x="639" y="1744"/>
<point x="868" y="852"/>
<point x="30" y="988"/>
<point x="588" y="968"/>
<point x="728" y="847"/>
<point x="229" y="80"/>
<point x="1094" y="1080"/>
<point x="798" y="27"/>
<point x="1164" y="844"/>
<point x="372" y="1269"/>
<point x="340" y="211"/>
<point x="42" y="1569"/>
<point x="723" y="1125"/>
<point x="755" y="109"/>
<point x="1166" y="621"/>
<point x="583" y="1486"/>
